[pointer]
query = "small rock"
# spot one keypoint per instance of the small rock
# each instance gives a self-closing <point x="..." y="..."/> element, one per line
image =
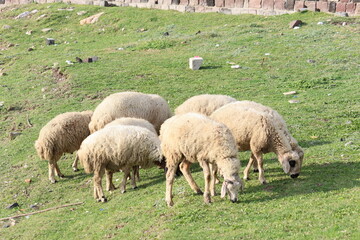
<point x="50" y="41"/>
<point x="295" y="23"/>
<point x="198" y="32"/>
<point x="92" y="19"/>
<point x="30" y="49"/>
<point x="142" y="30"/>
<point x="29" y="32"/>
<point x="2" y="74"/>
<point x="342" y="14"/>
<point x="34" y="11"/>
<point x="69" y="62"/>
<point x="81" y="13"/>
<point x="28" y="180"/>
<point x="34" y="206"/>
<point x="303" y="10"/>
<point x="166" y="33"/>
<point x="344" y="23"/>
<point x="22" y="15"/>
<point x="6" y="225"/>
<point x="41" y="16"/>
<point x="267" y="54"/>
<point x="120" y="49"/>
<point x="235" y="66"/>
<point x="348" y="143"/>
<point x="320" y="23"/>
<point x="79" y="60"/>
<point x="2" y="103"/>
<point x="290" y="93"/>
<point x="294" y="101"/>
<point x="45" y="30"/>
<point x="217" y="45"/>
<point x="123" y="29"/>
<point x="13" y="135"/>
<point x="6" y="27"/>
<point x="10" y="45"/>
<point x="296" y="27"/>
<point x="311" y="61"/>
<point x="14" y="205"/>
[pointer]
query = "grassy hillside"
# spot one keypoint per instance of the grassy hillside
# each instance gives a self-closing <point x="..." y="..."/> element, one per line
<point x="319" y="61"/>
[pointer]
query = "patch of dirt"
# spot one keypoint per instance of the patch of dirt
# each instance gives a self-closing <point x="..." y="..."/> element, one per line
<point x="58" y="75"/>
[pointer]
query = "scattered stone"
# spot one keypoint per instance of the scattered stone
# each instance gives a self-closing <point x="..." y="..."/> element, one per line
<point x="13" y="135"/>
<point x="22" y="15"/>
<point x="320" y="23"/>
<point x="34" y="206"/>
<point x="295" y="23"/>
<point x="79" y="60"/>
<point x="166" y="33"/>
<point x="7" y="27"/>
<point x="142" y="30"/>
<point x="69" y="62"/>
<point x="6" y="225"/>
<point x="34" y="11"/>
<point x="123" y="29"/>
<point x="302" y="10"/>
<point x="290" y="93"/>
<point x="198" y="32"/>
<point x="311" y="61"/>
<point x="91" y="59"/>
<point x="50" y="41"/>
<point x="348" y="143"/>
<point x="44" y="89"/>
<point x="29" y="32"/>
<point x="28" y="180"/>
<point x="344" y="23"/>
<point x="81" y="13"/>
<point x="41" y="16"/>
<point x="11" y="206"/>
<point x="10" y="45"/>
<point x="296" y="27"/>
<point x="195" y="62"/>
<point x="235" y="66"/>
<point x="45" y="30"/>
<point x="342" y="14"/>
<point x="92" y="19"/>
<point x="30" y="49"/>
<point x="294" y="101"/>
<point x="66" y="9"/>
<point x="120" y="49"/>
<point x="2" y="74"/>
<point x="217" y="45"/>
<point x="267" y="54"/>
<point x="2" y="104"/>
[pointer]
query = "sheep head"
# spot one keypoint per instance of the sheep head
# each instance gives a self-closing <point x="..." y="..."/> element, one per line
<point x="291" y="163"/>
<point x="232" y="187"/>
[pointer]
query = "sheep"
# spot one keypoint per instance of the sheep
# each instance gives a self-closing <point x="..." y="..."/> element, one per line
<point x="133" y="122"/>
<point x="62" y="134"/>
<point x="205" y="104"/>
<point x="258" y="132"/>
<point x="117" y="148"/>
<point x="151" y="107"/>
<point x="193" y="137"/>
<point x="279" y="120"/>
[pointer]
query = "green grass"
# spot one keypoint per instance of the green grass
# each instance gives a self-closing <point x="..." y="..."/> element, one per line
<point x="323" y="203"/>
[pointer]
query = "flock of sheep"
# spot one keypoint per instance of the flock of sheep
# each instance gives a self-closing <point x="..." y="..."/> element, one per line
<point x="132" y="130"/>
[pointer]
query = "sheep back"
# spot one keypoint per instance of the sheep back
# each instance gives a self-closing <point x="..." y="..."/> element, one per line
<point x="151" y="107"/>
<point x="63" y="134"/>
<point x="205" y="104"/>
<point x="118" y="146"/>
<point x="132" y="122"/>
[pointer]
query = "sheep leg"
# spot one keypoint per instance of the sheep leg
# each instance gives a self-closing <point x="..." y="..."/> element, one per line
<point x="133" y="176"/>
<point x="207" y="177"/>
<point x="75" y="164"/>
<point x="98" y="191"/>
<point x="109" y="183"/>
<point x="136" y="173"/>
<point x="259" y="159"/>
<point x="170" y="176"/>
<point x="52" y="172"/>
<point x="248" y="166"/>
<point x="255" y="166"/>
<point x="123" y="183"/>
<point x="58" y="172"/>
<point x="185" y="169"/>
<point x="213" y="172"/>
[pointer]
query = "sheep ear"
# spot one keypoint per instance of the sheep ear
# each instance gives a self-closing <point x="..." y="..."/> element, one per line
<point x="223" y="189"/>
<point x="286" y="166"/>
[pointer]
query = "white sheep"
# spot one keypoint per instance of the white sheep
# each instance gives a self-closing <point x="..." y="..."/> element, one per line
<point x="258" y="132"/>
<point x="279" y="120"/>
<point x="117" y="148"/>
<point x="62" y="134"/>
<point x="132" y="122"/>
<point x="192" y="137"/>
<point x="151" y="107"/>
<point x="205" y="104"/>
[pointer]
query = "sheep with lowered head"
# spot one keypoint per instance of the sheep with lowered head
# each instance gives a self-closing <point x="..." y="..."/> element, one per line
<point x="205" y="104"/>
<point x="130" y="122"/>
<point x="62" y="134"/>
<point x="192" y="137"/>
<point x="151" y="107"/>
<point x="257" y="131"/>
<point x="279" y="120"/>
<point x="117" y="148"/>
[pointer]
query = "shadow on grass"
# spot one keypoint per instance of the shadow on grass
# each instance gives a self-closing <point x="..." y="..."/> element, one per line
<point x="209" y="67"/>
<point x="306" y="144"/>
<point x="313" y="178"/>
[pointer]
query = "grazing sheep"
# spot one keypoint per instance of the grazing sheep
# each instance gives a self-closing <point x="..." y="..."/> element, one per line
<point x="205" y="104"/>
<point x="258" y="132"/>
<point x="132" y="122"/>
<point x="63" y="134"/>
<point x="279" y="120"/>
<point x="117" y="148"/>
<point x="151" y="107"/>
<point x="192" y="137"/>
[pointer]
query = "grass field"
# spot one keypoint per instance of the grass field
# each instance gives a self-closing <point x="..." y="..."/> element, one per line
<point x="319" y="61"/>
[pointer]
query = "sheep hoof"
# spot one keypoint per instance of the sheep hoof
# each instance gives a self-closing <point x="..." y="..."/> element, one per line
<point x="199" y="192"/>
<point x="62" y="176"/>
<point x="123" y="191"/>
<point x="103" y="199"/>
<point x="135" y="187"/>
<point x="170" y="203"/>
<point x="246" y="178"/>
<point x="263" y="182"/>
<point x="256" y="170"/>
<point x="53" y="181"/>
<point x="75" y="169"/>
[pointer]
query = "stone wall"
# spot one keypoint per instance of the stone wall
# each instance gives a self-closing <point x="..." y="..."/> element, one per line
<point x="262" y="7"/>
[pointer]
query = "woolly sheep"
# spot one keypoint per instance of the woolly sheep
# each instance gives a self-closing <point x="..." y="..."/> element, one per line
<point x="151" y="107"/>
<point x="62" y="134"/>
<point x="205" y="104"/>
<point x="279" y="120"/>
<point x="133" y="122"/>
<point x="192" y="137"/>
<point x="117" y="148"/>
<point x="258" y="132"/>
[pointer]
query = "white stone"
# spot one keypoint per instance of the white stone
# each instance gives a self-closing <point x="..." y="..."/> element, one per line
<point x="195" y="63"/>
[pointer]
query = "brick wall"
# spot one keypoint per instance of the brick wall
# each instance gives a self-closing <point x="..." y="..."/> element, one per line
<point x="262" y="7"/>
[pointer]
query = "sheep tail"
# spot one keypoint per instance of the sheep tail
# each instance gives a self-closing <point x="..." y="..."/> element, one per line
<point x="44" y="153"/>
